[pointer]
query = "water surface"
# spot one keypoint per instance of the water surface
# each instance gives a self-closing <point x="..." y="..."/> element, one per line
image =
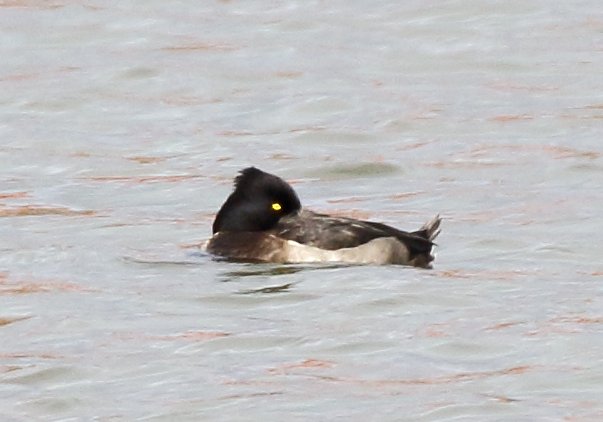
<point x="122" y="125"/>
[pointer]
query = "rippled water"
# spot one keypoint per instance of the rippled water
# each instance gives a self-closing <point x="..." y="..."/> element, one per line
<point x="122" y="125"/>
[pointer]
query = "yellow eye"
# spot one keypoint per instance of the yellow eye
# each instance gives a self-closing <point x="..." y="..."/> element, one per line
<point x="276" y="206"/>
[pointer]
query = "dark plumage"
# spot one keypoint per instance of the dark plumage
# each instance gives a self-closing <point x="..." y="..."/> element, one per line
<point x="262" y="220"/>
<point x="249" y="208"/>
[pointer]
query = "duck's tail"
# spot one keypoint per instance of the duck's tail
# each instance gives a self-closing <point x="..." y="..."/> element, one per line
<point x="431" y="229"/>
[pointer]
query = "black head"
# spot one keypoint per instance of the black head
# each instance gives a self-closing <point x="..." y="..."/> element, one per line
<point x="258" y="201"/>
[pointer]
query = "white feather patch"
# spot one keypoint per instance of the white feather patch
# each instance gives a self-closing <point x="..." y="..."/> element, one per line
<point x="383" y="250"/>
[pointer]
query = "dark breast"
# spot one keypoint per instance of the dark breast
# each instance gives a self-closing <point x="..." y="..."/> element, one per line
<point x="247" y="246"/>
<point x="332" y="233"/>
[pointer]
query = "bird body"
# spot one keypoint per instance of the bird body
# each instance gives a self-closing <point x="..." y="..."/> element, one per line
<point x="263" y="221"/>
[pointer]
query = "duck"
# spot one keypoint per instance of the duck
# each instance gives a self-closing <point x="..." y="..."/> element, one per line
<point x="262" y="220"/>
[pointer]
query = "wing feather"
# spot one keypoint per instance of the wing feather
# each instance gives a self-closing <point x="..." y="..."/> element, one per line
<point x="331" y="233"/>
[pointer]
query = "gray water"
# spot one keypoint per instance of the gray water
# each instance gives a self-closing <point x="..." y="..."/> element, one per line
<point x="122" y="124"/>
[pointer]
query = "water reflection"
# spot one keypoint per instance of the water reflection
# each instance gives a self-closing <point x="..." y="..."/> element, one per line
<point x="270" y="289"/>
<point x="280" y="269"/>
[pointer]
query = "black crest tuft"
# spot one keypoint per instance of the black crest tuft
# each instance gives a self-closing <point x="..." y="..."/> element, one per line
<point x="251" y="206"/>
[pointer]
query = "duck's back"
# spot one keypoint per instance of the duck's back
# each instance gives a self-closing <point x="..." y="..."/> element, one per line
<point x="333" y="233"/>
